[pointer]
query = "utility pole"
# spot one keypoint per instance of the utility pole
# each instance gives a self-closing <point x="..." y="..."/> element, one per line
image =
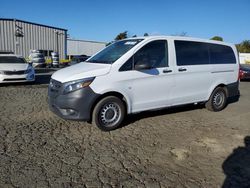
<point x="15" y="36"/>
<point x="18" y="33"/>
<point x="57" y="40"/>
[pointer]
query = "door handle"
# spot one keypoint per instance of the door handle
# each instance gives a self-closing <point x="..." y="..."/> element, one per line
<point x="167" y="71"/>
<point x="182" y="69"/>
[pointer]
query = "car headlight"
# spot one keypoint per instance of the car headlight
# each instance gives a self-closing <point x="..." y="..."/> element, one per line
<point x="77" y="84"/>
<point x="29" y="70"/>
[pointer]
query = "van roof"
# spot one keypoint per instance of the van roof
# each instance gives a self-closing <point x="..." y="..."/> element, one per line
<point x="181" y="38"/>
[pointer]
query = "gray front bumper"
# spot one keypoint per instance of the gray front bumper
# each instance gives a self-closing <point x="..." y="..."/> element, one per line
<point x="76" y="105"/>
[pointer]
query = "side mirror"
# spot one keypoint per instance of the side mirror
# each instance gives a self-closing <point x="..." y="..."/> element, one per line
<point x="142" y="66"/>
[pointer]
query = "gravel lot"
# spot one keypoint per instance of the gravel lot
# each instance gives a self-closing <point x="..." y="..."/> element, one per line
<point x="178" y="147"/>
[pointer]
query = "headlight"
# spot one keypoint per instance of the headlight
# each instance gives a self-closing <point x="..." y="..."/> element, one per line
<point x="29" y="70"/>
<point x="77" y="84"/>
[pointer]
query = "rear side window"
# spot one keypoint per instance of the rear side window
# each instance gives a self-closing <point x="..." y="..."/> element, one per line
<point x="220" y="54"/>
<point x="199" y="53"/>
<point x="191" y="53"/>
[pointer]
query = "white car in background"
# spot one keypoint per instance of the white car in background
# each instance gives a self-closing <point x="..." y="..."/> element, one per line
<point x="14" y="68"/>
<point x="37" y="58"/>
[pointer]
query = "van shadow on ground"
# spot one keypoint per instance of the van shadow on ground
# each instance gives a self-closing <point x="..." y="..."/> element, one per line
<point x="237" y="167"/>
<point x="131" y="118"/>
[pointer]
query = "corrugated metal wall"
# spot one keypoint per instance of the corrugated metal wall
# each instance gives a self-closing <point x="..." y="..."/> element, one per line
<point x="35" y="37"/>
<point x="6" y="30"/>
<point x="81" y="47"/>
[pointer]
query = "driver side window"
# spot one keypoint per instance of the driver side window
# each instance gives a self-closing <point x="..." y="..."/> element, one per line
<point x="155" y="54"/>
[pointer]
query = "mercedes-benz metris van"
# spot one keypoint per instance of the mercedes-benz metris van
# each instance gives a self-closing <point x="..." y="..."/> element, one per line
<point x="147" y="73"/>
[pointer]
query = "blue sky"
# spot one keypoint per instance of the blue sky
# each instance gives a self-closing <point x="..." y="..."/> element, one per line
<point x="102" y="20"/>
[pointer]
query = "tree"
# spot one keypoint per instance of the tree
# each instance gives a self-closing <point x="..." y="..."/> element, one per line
<point x="244" y="46"/>
<point x="182" y="34"/>
<point x="122" y="35"/>
<point x="146" y="34"/>
<point x="218" y="38"/>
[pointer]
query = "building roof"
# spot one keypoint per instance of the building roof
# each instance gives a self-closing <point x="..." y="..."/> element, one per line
<point x="70" y="39"/>
<point x="12" y="19"/>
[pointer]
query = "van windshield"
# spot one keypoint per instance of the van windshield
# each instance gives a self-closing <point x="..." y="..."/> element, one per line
<point x="114" y="51"/>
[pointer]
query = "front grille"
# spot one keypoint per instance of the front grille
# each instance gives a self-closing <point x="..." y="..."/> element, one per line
<point x="14" y="79"/>
<point x="14" y="72"/>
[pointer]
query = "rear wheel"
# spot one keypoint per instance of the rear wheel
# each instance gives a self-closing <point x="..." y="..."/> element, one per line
<point x="217" y="100"/>
<point x="108" y="113"/>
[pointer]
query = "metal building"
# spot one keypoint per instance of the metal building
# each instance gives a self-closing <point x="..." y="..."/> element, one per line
<point x="83" y="47"/>
<point x="21" y="36"/>
<point x="244" y="58"/>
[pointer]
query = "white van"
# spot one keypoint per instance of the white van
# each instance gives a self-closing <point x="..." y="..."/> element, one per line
<point x="147" y="73"/>
<point x="14" y="68"/>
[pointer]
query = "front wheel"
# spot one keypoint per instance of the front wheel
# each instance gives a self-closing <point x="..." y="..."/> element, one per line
<point x="108" y="113"/>
<point x="217" y="100"/>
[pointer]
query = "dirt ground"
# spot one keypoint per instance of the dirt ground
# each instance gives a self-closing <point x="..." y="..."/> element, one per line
<point x="178" y="147"/>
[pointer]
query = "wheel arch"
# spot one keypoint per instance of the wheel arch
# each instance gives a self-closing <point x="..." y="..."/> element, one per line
<point x="112" y="93"/>
<point x="216" y="86"/>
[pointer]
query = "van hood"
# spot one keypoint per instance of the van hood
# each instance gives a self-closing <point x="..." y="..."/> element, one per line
<point x="80" y="71"/>
<point x="13" y="66"/>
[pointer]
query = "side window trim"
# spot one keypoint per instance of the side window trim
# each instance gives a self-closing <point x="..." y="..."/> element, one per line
<point x="166" y="53"/>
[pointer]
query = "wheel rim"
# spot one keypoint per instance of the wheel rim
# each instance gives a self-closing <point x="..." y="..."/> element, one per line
<point x="110" y="114"/>
<point x="219" y="99"/>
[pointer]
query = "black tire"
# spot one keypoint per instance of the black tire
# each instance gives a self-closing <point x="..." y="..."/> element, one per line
<point x="217" y="100"/>
<point x="108" y="113"/>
